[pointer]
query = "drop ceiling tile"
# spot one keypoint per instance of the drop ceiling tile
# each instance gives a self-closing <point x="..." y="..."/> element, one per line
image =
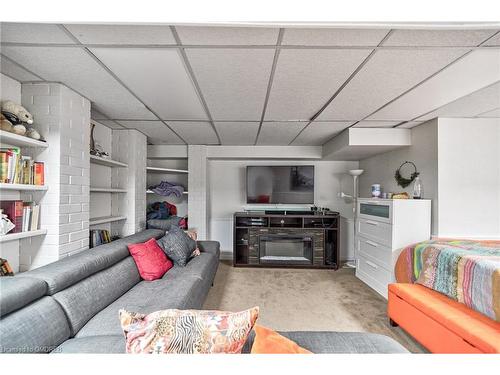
<point x="495" y="41"/>
<point x="157" y="131"/>
<point x="318" y="133"/>
<point x="410" y="124"/>
<point x="122" y="34"/>
<point x="233" y="81"/>
<point x="33" y="33"/>
<point x="386" y="75"/>
<point x="483" y="100"/>
<point x="279" y="133"/>
<point x="158" y="77"/>
<point x="491" y="114"/>
<point x="237" y="133"/>
<point x="76" y="69"/>
<point x="217" y="35"/>
<point x="465" y="38"/>
<point x="306" y="78"/>
<point x="376" y="124"/>
<point x="7" y="67"/>
<point x="195" y="132"/>
<point x="473" y="72"/>
<point x="333" y="37"/>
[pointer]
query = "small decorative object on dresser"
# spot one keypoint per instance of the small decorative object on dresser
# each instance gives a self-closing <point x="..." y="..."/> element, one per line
<point x="383" y="228"/>
<point x="376" y="190"/>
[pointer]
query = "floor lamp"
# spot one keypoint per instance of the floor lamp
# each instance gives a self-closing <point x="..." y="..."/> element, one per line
<point x="355" y="173"/>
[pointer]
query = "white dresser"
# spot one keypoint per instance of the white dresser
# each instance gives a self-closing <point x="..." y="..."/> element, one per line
<point x="383" y="228"/>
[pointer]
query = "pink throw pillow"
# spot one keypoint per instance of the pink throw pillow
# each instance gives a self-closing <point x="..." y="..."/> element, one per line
<point x="150" y="259"/>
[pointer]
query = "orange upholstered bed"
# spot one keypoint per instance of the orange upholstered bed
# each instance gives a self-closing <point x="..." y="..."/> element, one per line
<point x="443" y="320"/>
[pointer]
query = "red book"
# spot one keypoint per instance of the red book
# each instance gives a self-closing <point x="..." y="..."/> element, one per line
<point x="14" y="211"/>
<point x="39" y="173"/>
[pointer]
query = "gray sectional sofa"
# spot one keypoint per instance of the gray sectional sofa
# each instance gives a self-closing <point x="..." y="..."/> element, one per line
<point x="71" y="306"/>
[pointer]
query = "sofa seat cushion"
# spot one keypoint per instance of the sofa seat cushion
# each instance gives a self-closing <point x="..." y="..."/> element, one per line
<point x="70" y="270"/>
<point x="16" y="292"/>
<point x="146" y="297"/>
<point x="203" y="266"/>
<point x="93" y="345"/>
<point x="476" y="328"/>
<point x="338" y="342"/>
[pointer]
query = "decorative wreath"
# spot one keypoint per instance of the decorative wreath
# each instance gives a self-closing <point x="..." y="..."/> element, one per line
<point x="402" y="181"/>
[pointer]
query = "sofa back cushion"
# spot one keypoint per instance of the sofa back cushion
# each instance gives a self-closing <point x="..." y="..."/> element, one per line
<point x="16" y="292"/>
<point x="69" y="271"/>
<point x="36" y="328"/>
<point x="86" y="298"/>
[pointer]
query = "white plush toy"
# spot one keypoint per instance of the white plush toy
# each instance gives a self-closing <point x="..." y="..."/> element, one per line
<point x="17" y="110"/>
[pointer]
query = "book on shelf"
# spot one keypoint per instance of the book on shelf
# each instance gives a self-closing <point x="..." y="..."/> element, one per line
<point x="24" y="215"/>
<point x="20" y="169"/>
<point x="99" y="237"/>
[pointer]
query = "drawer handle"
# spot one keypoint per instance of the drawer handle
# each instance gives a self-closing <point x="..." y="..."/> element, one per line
<point x="371" y="222"/>
<point x="371" y="264"/>
<point x="371" y="243"/>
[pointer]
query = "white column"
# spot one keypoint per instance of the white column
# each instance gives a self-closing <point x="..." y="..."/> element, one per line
<point x="62" y="117"/>
<point x="197" y="187"/>
<point x="129" y="146"/>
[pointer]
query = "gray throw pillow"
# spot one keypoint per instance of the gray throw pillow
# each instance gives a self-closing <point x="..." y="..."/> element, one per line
<point x="178" y="246"/>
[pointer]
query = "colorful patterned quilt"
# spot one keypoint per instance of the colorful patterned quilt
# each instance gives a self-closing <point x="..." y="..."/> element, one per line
<point x="465" y="270"/>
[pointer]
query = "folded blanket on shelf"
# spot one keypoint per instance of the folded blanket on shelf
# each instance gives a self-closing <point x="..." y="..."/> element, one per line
<point x="166" y="189"/>
<point x="467" y="271"/>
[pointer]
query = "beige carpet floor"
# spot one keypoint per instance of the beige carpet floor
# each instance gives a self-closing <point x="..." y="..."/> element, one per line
<point x="305" y="300"/>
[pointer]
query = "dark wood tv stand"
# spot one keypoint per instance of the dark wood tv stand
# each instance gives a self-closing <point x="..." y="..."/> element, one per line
<point x="286" y="240"/>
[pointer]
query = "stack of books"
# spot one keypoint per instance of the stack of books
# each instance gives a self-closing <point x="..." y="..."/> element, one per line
<point x="19" y="169"/>
<point x="99" y="237"/>
<point x="24" y="215"/>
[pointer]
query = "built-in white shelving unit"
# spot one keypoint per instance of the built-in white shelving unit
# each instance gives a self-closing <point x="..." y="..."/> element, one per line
<point x="107" y="162"/>
<point x="106" y="219"/>
<point x="172" y="170"/>
<point x="106" y="190"/>
<point x="165" y="170"/>
<point x="107" y="195"/>
<point x="152" y="192"/>
<point x="17" y="236"/>
<point x="11" y="248"/>
<point x="23" y="187"/>
<point x="20" y="140"/>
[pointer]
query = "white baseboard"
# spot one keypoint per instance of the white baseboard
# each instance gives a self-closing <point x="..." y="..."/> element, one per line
<point x="226" y="255"/>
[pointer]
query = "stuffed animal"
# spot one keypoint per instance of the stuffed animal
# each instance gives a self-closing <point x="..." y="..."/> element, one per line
<point x="19" y="129"/>
<point x="32" y="133"/>
<point x="5" y="124"/>
<point x="11" y="108"/>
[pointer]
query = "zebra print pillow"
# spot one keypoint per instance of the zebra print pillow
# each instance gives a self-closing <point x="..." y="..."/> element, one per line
<point x="187" y="331"/>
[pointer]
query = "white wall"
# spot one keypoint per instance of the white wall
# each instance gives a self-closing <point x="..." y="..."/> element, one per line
<point x="227" y="193"/>
<point x="380" y="169"/>
<point x="10" y="89"/>
<point x="469" y="178"/>
<point x="459" y="161"/>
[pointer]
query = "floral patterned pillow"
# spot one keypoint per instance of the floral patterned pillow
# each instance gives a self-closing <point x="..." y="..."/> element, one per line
<point x="187" y="331"/>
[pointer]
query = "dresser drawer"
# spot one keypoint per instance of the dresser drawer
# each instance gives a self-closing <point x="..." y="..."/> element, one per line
<point x="376" y="231"/>
<point x="375" y="271"/>
<point x="382" y="255"/>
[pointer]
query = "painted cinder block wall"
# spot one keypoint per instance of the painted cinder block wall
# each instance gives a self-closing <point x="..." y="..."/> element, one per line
<point x="62" y="116"/>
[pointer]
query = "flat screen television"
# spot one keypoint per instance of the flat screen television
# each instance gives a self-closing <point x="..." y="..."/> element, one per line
<point x="280" y="184"/>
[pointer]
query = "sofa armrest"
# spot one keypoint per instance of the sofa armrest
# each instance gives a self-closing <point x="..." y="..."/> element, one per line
<point x="212" y="247"/>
